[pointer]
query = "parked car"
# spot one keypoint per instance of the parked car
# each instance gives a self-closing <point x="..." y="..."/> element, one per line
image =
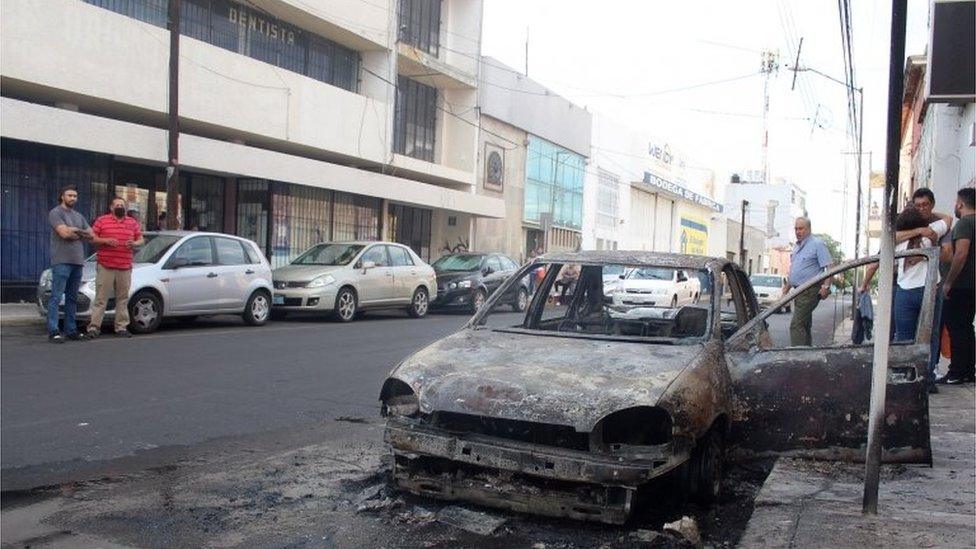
<point x="769" y="289"/>
<point x="657" y="287"/>
<point x="574" y="409"/>
<point x="464" y="281"/>
<point x="344" y="278"/>
<point x="183" y="274"/>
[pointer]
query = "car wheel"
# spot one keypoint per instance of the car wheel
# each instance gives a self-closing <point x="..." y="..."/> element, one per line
<point x="706" y="467"/>
<point x="258" y="308"/>
<point x="674" y="302"/>
<point x="477" y="300"/>
<point x="521" y="301"/>
<point x="145" y="312"/>
<point x="345" y="305"/>
<point x="419" y="303"/>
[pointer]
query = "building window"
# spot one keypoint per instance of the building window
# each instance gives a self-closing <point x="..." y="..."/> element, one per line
<point x="411" y="227"/>
<point x="415" y="120"/>
<point x="554" y="184"/>
<point x="356" y="218"/>
<point x="206" y="203"/>
<point x="253" y="33"/>
<point x="301" y="217"/>
<point x="252" y="211"/>
<point x="420" y="24"/>
<point x="607" y="200"/>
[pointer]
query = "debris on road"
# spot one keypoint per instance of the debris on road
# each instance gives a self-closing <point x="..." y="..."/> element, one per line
<point x="475" y="522"/>
<point x="686" y="528"/>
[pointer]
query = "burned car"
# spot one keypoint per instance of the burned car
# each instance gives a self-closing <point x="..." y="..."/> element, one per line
<point x="571" y="411"/>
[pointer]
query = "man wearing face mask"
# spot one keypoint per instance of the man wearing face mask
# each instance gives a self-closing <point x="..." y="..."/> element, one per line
<point x="116" y="234"/>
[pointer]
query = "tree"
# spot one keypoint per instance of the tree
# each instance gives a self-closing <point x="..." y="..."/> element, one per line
<point x="837" y="254"/>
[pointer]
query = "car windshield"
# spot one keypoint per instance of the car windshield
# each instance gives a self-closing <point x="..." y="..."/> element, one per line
<point x="154" y="247"/>
<point x="766" y="281"/>
<point x="651" y="273"/>
<point x="458" y="263"/>
<point x="329" y="254"/>
<point x="582" y="306"/>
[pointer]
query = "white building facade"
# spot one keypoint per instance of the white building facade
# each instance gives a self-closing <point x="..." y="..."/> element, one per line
<point x="301" y="121"/>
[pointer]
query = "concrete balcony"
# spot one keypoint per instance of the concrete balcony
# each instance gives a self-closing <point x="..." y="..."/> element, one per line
<point x="67" y="51"/>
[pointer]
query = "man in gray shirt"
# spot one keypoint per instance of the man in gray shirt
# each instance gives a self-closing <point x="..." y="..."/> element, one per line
<point x="68" y="231"/>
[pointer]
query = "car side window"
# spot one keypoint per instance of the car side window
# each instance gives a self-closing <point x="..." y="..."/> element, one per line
<point x="377" y="254"/>
<point x="229" y="252"/>
<point x="509" y="264"/>
<point x="253" y="256"/>
<point x="197" y="251"/>
<point x="399" y="257"/>
<point x="495" y="264"/>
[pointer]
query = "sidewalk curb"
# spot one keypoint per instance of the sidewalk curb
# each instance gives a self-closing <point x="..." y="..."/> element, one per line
<point x="21" y="321"/>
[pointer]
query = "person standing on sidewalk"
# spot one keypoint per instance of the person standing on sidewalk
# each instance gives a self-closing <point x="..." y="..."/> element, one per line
<point x="959" y="291"/>
<point x="115" y="234"/>
<point x="68" y="229"/>
<point x="809" y="258"/>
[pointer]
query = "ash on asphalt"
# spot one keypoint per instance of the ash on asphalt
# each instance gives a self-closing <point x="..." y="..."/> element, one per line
<point x="335" y="492"/>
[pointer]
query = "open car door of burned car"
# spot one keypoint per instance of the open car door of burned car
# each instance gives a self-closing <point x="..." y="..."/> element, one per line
<point x="813" y="401"/>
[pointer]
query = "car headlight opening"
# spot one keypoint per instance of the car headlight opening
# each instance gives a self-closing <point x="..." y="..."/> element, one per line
<point x="639" y="426"/>
<point x="321" y="281"/>
<point x="398" y="399"/>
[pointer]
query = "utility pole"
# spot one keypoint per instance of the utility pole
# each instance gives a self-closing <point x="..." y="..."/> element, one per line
<point x="770" y="64"/>
<point x="173" y="163"/>
<point x="879" y="370"/>
<point x="742" y="234"/>
<point x="526" y="51"/>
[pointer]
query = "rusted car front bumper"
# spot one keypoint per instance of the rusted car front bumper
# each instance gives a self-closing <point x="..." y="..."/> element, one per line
<point x="520" y="476"/>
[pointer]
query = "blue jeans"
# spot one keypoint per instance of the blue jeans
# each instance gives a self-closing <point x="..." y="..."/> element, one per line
<point x="907" y="306"/>
<point x="936" y="333"/>
<point x="65" y="281"/>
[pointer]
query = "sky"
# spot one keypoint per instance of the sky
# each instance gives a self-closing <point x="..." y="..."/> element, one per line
<point x="622" y="59"/>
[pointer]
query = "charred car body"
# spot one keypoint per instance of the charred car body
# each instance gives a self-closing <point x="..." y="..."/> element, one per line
<point x="571" y="411"/>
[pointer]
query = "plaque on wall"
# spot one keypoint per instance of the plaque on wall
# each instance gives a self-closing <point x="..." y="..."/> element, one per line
<point x="494" y="167"/>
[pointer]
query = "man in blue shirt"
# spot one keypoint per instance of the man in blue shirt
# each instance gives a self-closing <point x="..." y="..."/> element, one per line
<point x="809" y="258"/>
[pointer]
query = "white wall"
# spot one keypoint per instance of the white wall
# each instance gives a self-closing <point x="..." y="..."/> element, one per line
<point x="946" y="160"/>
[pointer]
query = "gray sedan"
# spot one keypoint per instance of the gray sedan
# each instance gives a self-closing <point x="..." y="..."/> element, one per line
<point x="346" y="277"/>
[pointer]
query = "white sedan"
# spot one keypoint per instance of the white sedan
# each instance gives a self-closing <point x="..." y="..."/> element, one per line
<point x="656" y="287"/>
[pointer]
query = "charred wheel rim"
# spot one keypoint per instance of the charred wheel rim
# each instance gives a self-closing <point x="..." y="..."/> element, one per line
<point x="346" y="305"/>
<point x="420" y="303"/>
<point x="145" y="312"/>
<point x="260" y="308"/>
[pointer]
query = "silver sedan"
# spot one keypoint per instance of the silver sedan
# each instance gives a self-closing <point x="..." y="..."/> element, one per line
<point x="183" y="274"/>
<point x="346" y="277"/>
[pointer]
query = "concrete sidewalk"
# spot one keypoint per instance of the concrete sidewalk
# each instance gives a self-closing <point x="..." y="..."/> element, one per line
<point x="818" y="504"/>
<point x="20" y="314"/>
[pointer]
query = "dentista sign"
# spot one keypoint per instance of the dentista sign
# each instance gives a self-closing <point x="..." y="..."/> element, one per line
<point x="270" y="29"/>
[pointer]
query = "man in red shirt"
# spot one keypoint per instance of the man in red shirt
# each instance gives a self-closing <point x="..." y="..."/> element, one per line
<point x="116" y="234"/>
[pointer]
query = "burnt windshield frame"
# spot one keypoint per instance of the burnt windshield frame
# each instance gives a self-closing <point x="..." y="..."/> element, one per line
<point x="479" y="320"/>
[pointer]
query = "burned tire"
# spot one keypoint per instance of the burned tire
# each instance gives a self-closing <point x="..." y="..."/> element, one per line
<point x="705" y="468"/>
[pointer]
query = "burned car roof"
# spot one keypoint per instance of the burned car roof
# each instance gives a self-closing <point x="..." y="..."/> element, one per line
<point x="635" y="257"/>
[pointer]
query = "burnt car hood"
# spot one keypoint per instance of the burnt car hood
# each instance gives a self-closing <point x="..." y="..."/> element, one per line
<point x="543" y="379"/>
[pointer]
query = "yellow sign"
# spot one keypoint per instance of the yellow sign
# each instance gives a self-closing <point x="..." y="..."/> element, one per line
<point x="693" y="237"/>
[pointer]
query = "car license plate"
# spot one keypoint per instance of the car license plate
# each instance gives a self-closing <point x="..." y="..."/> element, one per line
<point x="278" y="300"/>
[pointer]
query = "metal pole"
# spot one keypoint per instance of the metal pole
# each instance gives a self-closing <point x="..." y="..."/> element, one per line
<point x="742" y="235"/>
<point x="879" y="370"/>
<point x="860" y="198"/>
<point x="173" y="163"/>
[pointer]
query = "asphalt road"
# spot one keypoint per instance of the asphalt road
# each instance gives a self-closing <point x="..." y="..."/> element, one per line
<point x="72" y="407"/>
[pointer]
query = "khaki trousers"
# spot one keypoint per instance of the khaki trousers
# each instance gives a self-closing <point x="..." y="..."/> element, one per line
<point x="802" y="322"/>
<point x="109" y="282"/>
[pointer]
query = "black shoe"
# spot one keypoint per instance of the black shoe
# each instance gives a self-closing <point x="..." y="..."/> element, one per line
<point x="954" y="380"/>
<point x="55" y="338"/>
<point x="933" y="389"/>
<point x="123" y="333"/>
<point x="77" y="336"/>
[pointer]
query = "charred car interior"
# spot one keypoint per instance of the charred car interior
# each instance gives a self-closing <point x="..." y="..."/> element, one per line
<point x="648" y="365"/>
